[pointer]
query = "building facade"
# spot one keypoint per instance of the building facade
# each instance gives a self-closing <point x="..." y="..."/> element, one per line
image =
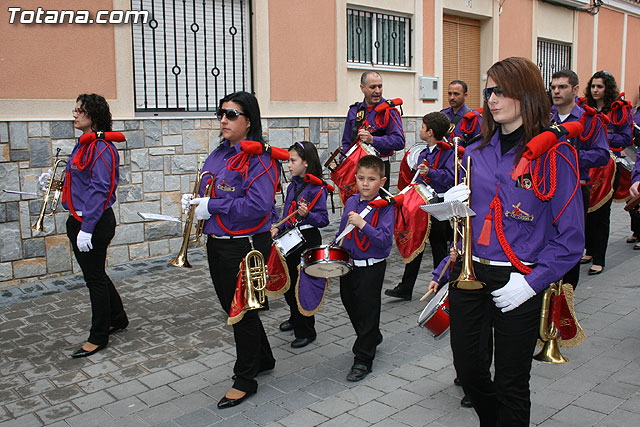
<point x="303" y="60"/>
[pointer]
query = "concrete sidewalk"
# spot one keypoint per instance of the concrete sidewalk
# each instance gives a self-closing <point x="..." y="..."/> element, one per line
<point x="174" y="362"/>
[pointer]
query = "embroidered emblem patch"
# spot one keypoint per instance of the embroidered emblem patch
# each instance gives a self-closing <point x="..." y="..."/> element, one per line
<point x="223" y="186"/>
<point x="360" y="115"/>
<point x="518" y="214"/>
<point x="403" y="238"/>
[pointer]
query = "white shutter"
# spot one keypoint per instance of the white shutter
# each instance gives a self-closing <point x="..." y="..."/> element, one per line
<point x="190" y="53"/>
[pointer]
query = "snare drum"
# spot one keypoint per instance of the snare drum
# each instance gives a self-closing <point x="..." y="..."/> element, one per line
<point x="435" y="316"/>
<point x="326" y="261"/>
<point x="289" y="240"/>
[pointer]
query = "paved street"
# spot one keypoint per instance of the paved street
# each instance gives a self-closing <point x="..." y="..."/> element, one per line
<point x="174" y="362"/>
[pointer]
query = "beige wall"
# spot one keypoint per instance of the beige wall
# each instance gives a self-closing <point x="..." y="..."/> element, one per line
<point x="45" y="67"/>
<point x="610" y="27"/>
<point x="554" y="23"/>
<point x="632" y="65"/>
<point x="516" y="32"/>
<point x="585" y="47"/>
<point x="302" y="50"/>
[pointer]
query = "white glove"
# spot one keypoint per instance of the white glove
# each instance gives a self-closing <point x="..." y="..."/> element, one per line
<point x="186" y="198"/>
<point x="202" y="211"/>
<point x="458" y="193"/>
<point x="84" y="241"/>
<point x="43" y="180"/>
<point x="513" y="294"/>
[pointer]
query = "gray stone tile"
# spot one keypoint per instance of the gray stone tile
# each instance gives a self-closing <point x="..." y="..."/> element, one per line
<point x="324" y="388"/>
<point x="28" y="420"/>
<point x="574" y="415"/>
<point x="303" y="418"/>
<point x="618" y="418"/>
<point x="200" y="417"/>
<point x="158" y="395"/>
<point x="96" y="417"/>
<point x="598" y="402"/>
<point x="373" y="411"/>
<point x="346" y="420"/>
<point x="124" y="407"/>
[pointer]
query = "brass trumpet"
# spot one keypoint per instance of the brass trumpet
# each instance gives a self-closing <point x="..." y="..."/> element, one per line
<point x="181" y="260"/>
<point x="462" y="229"/>
<point x="55" y="185"/>
<point x="550" y="352"/>
<point x="255" y="278"/>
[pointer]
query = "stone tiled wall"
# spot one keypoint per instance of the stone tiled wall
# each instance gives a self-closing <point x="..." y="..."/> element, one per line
<point x="157" y="165"/>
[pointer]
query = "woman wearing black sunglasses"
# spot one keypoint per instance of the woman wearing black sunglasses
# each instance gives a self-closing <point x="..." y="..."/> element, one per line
<point x="238" y="218"/>
<point x="522" y="240"/>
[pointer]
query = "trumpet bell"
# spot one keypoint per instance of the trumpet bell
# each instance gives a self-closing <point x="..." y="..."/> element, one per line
<point x="550" y="353"/>
<point x="468" y="284"/>
<point x="181" y="260"/>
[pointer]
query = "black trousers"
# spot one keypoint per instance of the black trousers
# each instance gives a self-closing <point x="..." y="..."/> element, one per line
<point x="505" y="399"/>
<point x="573" y="275"/>
<point x="440" y="237"/>
<point x="387" y="173"/>
<point x="303" y="326"/>
<point x="253" y="352"/>
<point x="635" y="221"/>
<point x="597" y="228"/>
<point x="360" y="292"/>
<point x="106" y="304"/>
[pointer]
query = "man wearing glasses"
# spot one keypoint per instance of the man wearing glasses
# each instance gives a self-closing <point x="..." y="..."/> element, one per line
<point x="592" y="146"/>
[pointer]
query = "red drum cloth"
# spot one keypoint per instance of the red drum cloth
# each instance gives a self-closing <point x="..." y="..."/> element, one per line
<point x="601" y="181"/>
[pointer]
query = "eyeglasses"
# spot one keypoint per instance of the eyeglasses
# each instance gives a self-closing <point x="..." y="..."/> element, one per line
<point x="78" y="111"/>
<point x="487" y="92"/>
<point x="231" y="113"/>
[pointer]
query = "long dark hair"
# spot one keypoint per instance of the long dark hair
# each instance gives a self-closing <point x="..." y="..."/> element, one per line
<point x="519" y="79"/>
<point x="97" y="109"/>
<point x="308" y="152"/>
<point x="251" y="109"/>
<point x="611" y="91"/>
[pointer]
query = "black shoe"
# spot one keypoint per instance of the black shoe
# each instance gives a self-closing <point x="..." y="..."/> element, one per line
<point x="636" y="247"/>
<point x="457" y="382"/>
<point x="593" y="272"/>
<point x="302" y="342"/>
<point x="632" y="239"/>
<point x="286" y="326"/>
<point x="398" y="293"/>
<point x="225" y="402"/>
<point x="358" y="372"/>
<point x="585" y="260"/>
<point x="84" y="353"/>
<point x="466" y="402"/>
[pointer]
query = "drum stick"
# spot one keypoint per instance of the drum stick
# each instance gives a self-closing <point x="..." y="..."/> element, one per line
<point x="278" y="224"/>
<point x="424" y="297"/>
<point x="350" y="227"/>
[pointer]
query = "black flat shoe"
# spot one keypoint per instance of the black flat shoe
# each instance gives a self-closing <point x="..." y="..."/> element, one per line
<point x="632" y="239"/>
<point x="286" y="326"/>
<point x="225" y="402"/>
<point x="466" y="402"/>
<point x="636" y="247"/>
<point x="398" y="293"/>
<point x="593" y="272"/>
<point x="457" y="382"/>
<point x="358" y="372"/>
<point x="584" y="260"/>
<point x="302" y="342"/>
<point x="84" y="353"/>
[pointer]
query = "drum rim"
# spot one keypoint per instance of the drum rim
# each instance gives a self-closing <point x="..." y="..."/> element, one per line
<point x="347" y="265"/>
<point x="410" y="154"/>
<point x="434" y="303"/>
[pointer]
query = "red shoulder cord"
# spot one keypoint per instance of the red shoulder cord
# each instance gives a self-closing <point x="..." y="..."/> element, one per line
<point x="382" y="123"/>
<point x="82" y="159"/>
<point x="364" y="243"/>
<point x="594" y="126"/>
<point x="310" y="206"/>
<point x="538" y="181"/>
<point x="240" y="163"/>
<point x="435" y="165"/>
<point x="619" y="113"/>
<point x="469" y="125"/>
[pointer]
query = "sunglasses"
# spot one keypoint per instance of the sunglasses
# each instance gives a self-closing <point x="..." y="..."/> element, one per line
<point x="487" y="92"/>
<point x="231" y="113"/>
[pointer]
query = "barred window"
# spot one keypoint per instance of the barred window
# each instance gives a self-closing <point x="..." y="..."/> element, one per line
<point x="190" y="53"/>
<point x="553" y="56"/>
<point x="378" y="38"/>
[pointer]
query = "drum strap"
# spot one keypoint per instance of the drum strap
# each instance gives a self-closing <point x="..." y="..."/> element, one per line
<point x="361" y="118"/>
<point x="364" y="243"/>
<point x="456" y="119"/>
